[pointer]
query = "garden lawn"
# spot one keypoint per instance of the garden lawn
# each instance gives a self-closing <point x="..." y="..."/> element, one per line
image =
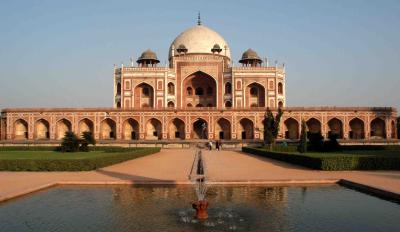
<point x="345" y="160"/>
<point x="47" y="160"/>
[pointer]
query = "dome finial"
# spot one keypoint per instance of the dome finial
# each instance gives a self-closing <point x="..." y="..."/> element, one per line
<point x="198" y="19"/>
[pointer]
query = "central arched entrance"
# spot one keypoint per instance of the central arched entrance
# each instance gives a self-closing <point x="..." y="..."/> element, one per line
<point x="200" y="90"/>
<point x="200" y="128"/>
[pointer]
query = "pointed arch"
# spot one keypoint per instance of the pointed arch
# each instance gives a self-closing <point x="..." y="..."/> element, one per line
<point x="313" y="125"/>
<point x="153" y="129"/>
<point x="280" y="88"/>
<point x="20" y="129"/>
<point x="144" y="96"/>
<point x="228" y="104"/>
<point x="378" y="128"/>
<point x="171" y="104"/>
<point x="356" y="129"/>
<point x="171" y="88"/>
<point x="223" y="129"/>
<point x="335" y="127"/>
<point x="176" y="129"/>
<point x="130" y="129"/>
<point x="205" y="89"/>
<point x="85" y="125"/>
<point x="291" y="128"/>
<point x="200" y="129"/>
<point x="245" y="129"/>
<point x="108" y="129"/>
<point x="255" y="95"/>
<point x="228" y="88"/>
<point x="42" y="129"/>
<point x="62" y="126"/>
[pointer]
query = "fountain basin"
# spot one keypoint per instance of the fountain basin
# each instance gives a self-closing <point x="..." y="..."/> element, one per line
<point x="167" y="208"/>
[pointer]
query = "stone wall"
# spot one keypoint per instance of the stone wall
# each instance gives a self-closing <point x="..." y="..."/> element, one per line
<point x="172" y="124"/>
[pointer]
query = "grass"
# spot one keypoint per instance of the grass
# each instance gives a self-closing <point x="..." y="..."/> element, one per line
<point x="50" y="155"/>
<point x="50" y="160"/>
<point x="342" y="160"/>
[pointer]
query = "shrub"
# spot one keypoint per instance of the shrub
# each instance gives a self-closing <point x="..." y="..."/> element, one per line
<point x="302" y="147"/>
<point x="331" y="162"/>
<point x="332" y="144"/>
<point x="70" y="142"/>
<point x="87" y="138"/>
<point x="316" y="141"/>
<point x="83" y="164"/>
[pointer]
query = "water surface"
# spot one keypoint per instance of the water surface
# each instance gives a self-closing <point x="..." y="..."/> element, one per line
<point x="167" y="208"/>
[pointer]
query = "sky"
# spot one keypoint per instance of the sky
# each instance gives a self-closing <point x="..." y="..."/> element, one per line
<point x="337" y="53"/>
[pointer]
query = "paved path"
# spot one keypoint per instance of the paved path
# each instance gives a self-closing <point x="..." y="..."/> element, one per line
<point x="173" y="166"/>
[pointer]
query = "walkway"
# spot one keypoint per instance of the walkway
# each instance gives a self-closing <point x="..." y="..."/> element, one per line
<point x="172" y="166"/>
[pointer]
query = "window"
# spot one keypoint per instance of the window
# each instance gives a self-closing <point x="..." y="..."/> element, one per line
<point x="228" y="104"/>
<point x="280" y="88"/>
<point x="171" y="104"/>
<point x="171" y="89"/>
<point x="119" y="88"/>
<point x="228" y="88"/>
<point x="127" y="85"/>
<point x="271" y="85"/>
<point x="199" y="91"/>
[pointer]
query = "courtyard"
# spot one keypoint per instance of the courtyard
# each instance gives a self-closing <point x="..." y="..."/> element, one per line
<point x="172" y="166"/>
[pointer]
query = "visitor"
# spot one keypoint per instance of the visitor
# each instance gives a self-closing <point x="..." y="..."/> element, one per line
<point x="217" y="145"/>
<point x="210" y="145"/>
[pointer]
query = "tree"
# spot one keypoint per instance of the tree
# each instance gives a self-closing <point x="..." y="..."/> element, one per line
<point x="332" y="144"/>
<point x="271" y="126"/>
<point x="70" y="142"/>
<point x="316" y="141"/>
<point x="87" y="138"/>
<point x="302" y="147"/>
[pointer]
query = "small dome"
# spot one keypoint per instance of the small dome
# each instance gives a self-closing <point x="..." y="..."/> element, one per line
<point x="216" y="48"/>
<point x="250" y="55"/>
<point x="181" y="48"/>
<point x="148" y="55"/>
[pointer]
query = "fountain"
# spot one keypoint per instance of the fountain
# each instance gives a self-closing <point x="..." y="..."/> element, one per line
<point x="198" y="177"/>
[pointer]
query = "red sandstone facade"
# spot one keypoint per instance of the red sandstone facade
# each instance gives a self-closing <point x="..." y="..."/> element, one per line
<point x="198" y="95"/>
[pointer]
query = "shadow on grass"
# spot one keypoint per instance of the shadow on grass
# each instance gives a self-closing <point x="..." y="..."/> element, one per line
<point x="274" y="162"/>
<point x="133" y="178"/>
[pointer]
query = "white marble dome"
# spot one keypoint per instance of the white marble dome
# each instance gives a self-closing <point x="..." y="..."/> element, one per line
<point x="200" y="39"/>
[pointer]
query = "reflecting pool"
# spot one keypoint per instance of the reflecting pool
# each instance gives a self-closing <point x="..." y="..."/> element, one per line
<point x="168" y="208"/>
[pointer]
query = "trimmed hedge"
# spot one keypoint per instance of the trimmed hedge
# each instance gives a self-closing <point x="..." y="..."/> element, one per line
<point x="28" y="148"/>
<point x="371" y="147"/>
<point x="83" y="164"/>
<point x="331" y="162"/>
